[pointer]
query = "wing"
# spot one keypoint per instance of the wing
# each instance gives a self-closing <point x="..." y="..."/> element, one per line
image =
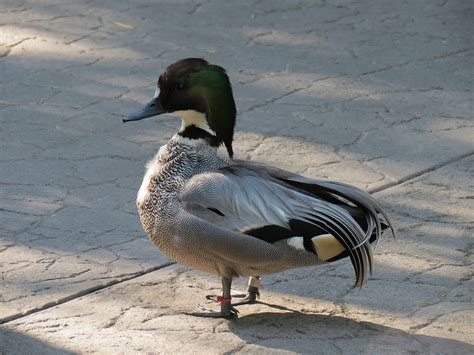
<point x="279" y="210"/>
<point x="360" y="204"/>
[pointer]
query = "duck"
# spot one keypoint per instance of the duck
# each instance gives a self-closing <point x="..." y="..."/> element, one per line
<point x="235" y="218"/>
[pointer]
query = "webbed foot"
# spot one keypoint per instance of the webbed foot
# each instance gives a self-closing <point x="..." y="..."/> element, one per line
<point x="227" y="312"/>
<point x="249" y="298"/>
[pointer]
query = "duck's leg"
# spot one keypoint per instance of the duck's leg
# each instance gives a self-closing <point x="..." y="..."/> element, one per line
<point x="227" y="310"/>
<point x="252" y="292"/>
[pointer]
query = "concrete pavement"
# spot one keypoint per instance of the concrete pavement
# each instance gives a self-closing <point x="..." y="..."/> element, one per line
<point x="379" y="95"/>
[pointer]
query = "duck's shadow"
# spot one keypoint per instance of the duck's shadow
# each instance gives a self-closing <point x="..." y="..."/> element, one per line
<point x="16" y="342"/>
<point x="323" y="333"/>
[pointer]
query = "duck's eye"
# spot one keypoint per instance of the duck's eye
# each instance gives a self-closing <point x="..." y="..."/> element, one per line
<point x="179" y="86"/>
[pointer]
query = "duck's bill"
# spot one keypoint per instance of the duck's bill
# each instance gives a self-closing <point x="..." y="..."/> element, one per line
<point x="152" y="108"/>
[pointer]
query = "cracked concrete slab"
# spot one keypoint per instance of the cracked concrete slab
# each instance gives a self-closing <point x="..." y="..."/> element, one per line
<point x="377" y="95"/>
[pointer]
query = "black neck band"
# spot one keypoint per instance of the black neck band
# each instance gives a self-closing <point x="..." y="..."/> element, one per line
<point x="193" y="132"/>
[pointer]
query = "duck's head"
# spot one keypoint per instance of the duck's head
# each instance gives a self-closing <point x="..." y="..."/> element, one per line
<point x="201" y="94"/>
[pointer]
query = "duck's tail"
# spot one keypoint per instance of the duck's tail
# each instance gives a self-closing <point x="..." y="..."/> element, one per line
<point x="362" y="207"/>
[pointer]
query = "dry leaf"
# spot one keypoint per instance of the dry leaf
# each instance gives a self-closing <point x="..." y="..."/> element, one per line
<point x="123" y="25"/>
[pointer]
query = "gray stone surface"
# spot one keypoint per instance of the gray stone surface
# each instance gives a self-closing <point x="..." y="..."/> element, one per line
<point x="375" y="94"/>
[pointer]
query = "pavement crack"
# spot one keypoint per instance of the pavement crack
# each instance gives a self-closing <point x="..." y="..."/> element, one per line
<point x="6" y="52"/>
<point x="70" y="276"/>
<point x="82" y="65"/>
<point x="276" y="98"/>
<point x="237" y="349"/>
<point x="81" y="293"/>
<point x="196" y="8"/>
<point x="419" y="173"/>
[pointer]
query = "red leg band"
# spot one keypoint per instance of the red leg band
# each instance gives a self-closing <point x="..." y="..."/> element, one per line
<point x="223" y="299"/>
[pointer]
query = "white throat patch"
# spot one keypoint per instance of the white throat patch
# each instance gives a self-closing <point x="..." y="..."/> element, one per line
<point x="191" y="117"/>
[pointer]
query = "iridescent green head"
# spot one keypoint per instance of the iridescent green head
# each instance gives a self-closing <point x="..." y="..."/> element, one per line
<point x="197" y="91"/>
